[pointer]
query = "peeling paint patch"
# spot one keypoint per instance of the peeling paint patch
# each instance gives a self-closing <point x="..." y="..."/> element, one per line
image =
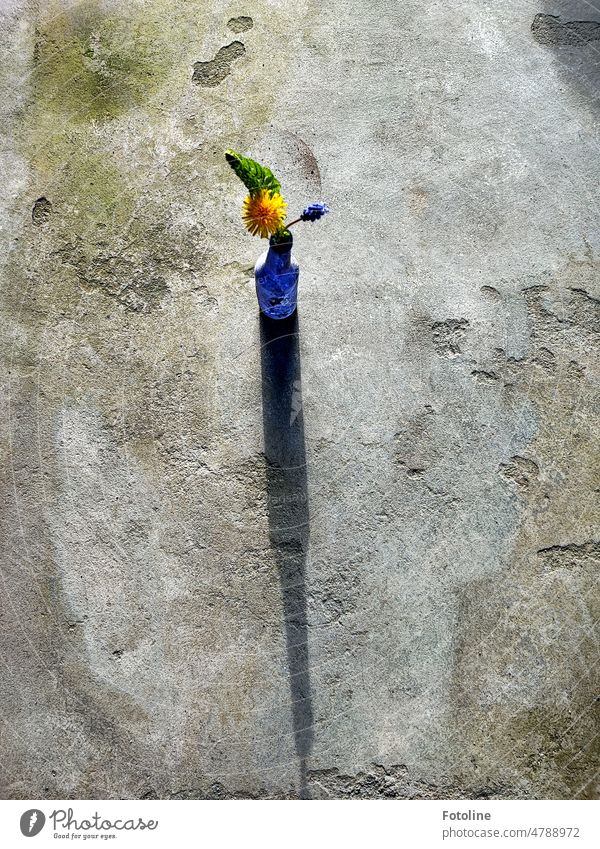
<point x="240" y="24"/>
<point x="391" y="782"/>
<point x="571" y="555"/>
<point x="448" y="336"/>
<point x="546" y="360"/>
<point x="550" y="30"/>
<point x="584" y="310"/>
<point x="211" y="74"/>
<point x="519" y="470"/>
<point x="483" y="376"/>
<point x="491" y="292"/>
<point x="42" y="209"/>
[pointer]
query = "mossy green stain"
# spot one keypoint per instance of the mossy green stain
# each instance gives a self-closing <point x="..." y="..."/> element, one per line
<point x="90" y="66"/>
<point x="100" y="79"/>
<point x="546" y="737"/>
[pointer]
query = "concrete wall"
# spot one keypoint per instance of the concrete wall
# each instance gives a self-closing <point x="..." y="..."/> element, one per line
<point x="357" y="560"/>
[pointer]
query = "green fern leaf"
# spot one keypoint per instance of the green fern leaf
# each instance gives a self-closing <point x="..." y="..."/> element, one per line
<point x="252" y="174"/>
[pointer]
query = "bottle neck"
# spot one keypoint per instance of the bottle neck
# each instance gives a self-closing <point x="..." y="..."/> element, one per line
<point x="279" y="257"/>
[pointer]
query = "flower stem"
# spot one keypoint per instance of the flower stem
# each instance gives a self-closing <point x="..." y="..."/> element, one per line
<point x="295" y="221"/>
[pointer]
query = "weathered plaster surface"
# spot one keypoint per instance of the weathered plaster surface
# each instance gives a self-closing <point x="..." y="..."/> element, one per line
<point x="361" y="560"/>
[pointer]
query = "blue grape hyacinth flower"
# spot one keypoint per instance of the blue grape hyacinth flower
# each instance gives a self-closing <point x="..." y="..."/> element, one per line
<point x="311" y="213"/>
<point x="314" y="212"/>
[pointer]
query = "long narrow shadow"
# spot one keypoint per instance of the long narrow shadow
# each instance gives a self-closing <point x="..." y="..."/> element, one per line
<point x="287" y="497"/>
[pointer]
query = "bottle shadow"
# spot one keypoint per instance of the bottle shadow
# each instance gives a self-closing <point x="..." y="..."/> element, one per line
<point x="287" y="498"/>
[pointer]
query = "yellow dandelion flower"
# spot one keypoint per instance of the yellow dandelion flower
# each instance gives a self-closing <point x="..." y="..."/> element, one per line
<point x="263" y="213"/>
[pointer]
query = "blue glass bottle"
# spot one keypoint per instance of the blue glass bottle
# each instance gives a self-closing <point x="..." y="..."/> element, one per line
<point x="276" y="273"/>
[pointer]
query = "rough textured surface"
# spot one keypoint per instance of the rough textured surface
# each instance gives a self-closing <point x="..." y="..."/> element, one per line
<point x="357" y="560"/>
